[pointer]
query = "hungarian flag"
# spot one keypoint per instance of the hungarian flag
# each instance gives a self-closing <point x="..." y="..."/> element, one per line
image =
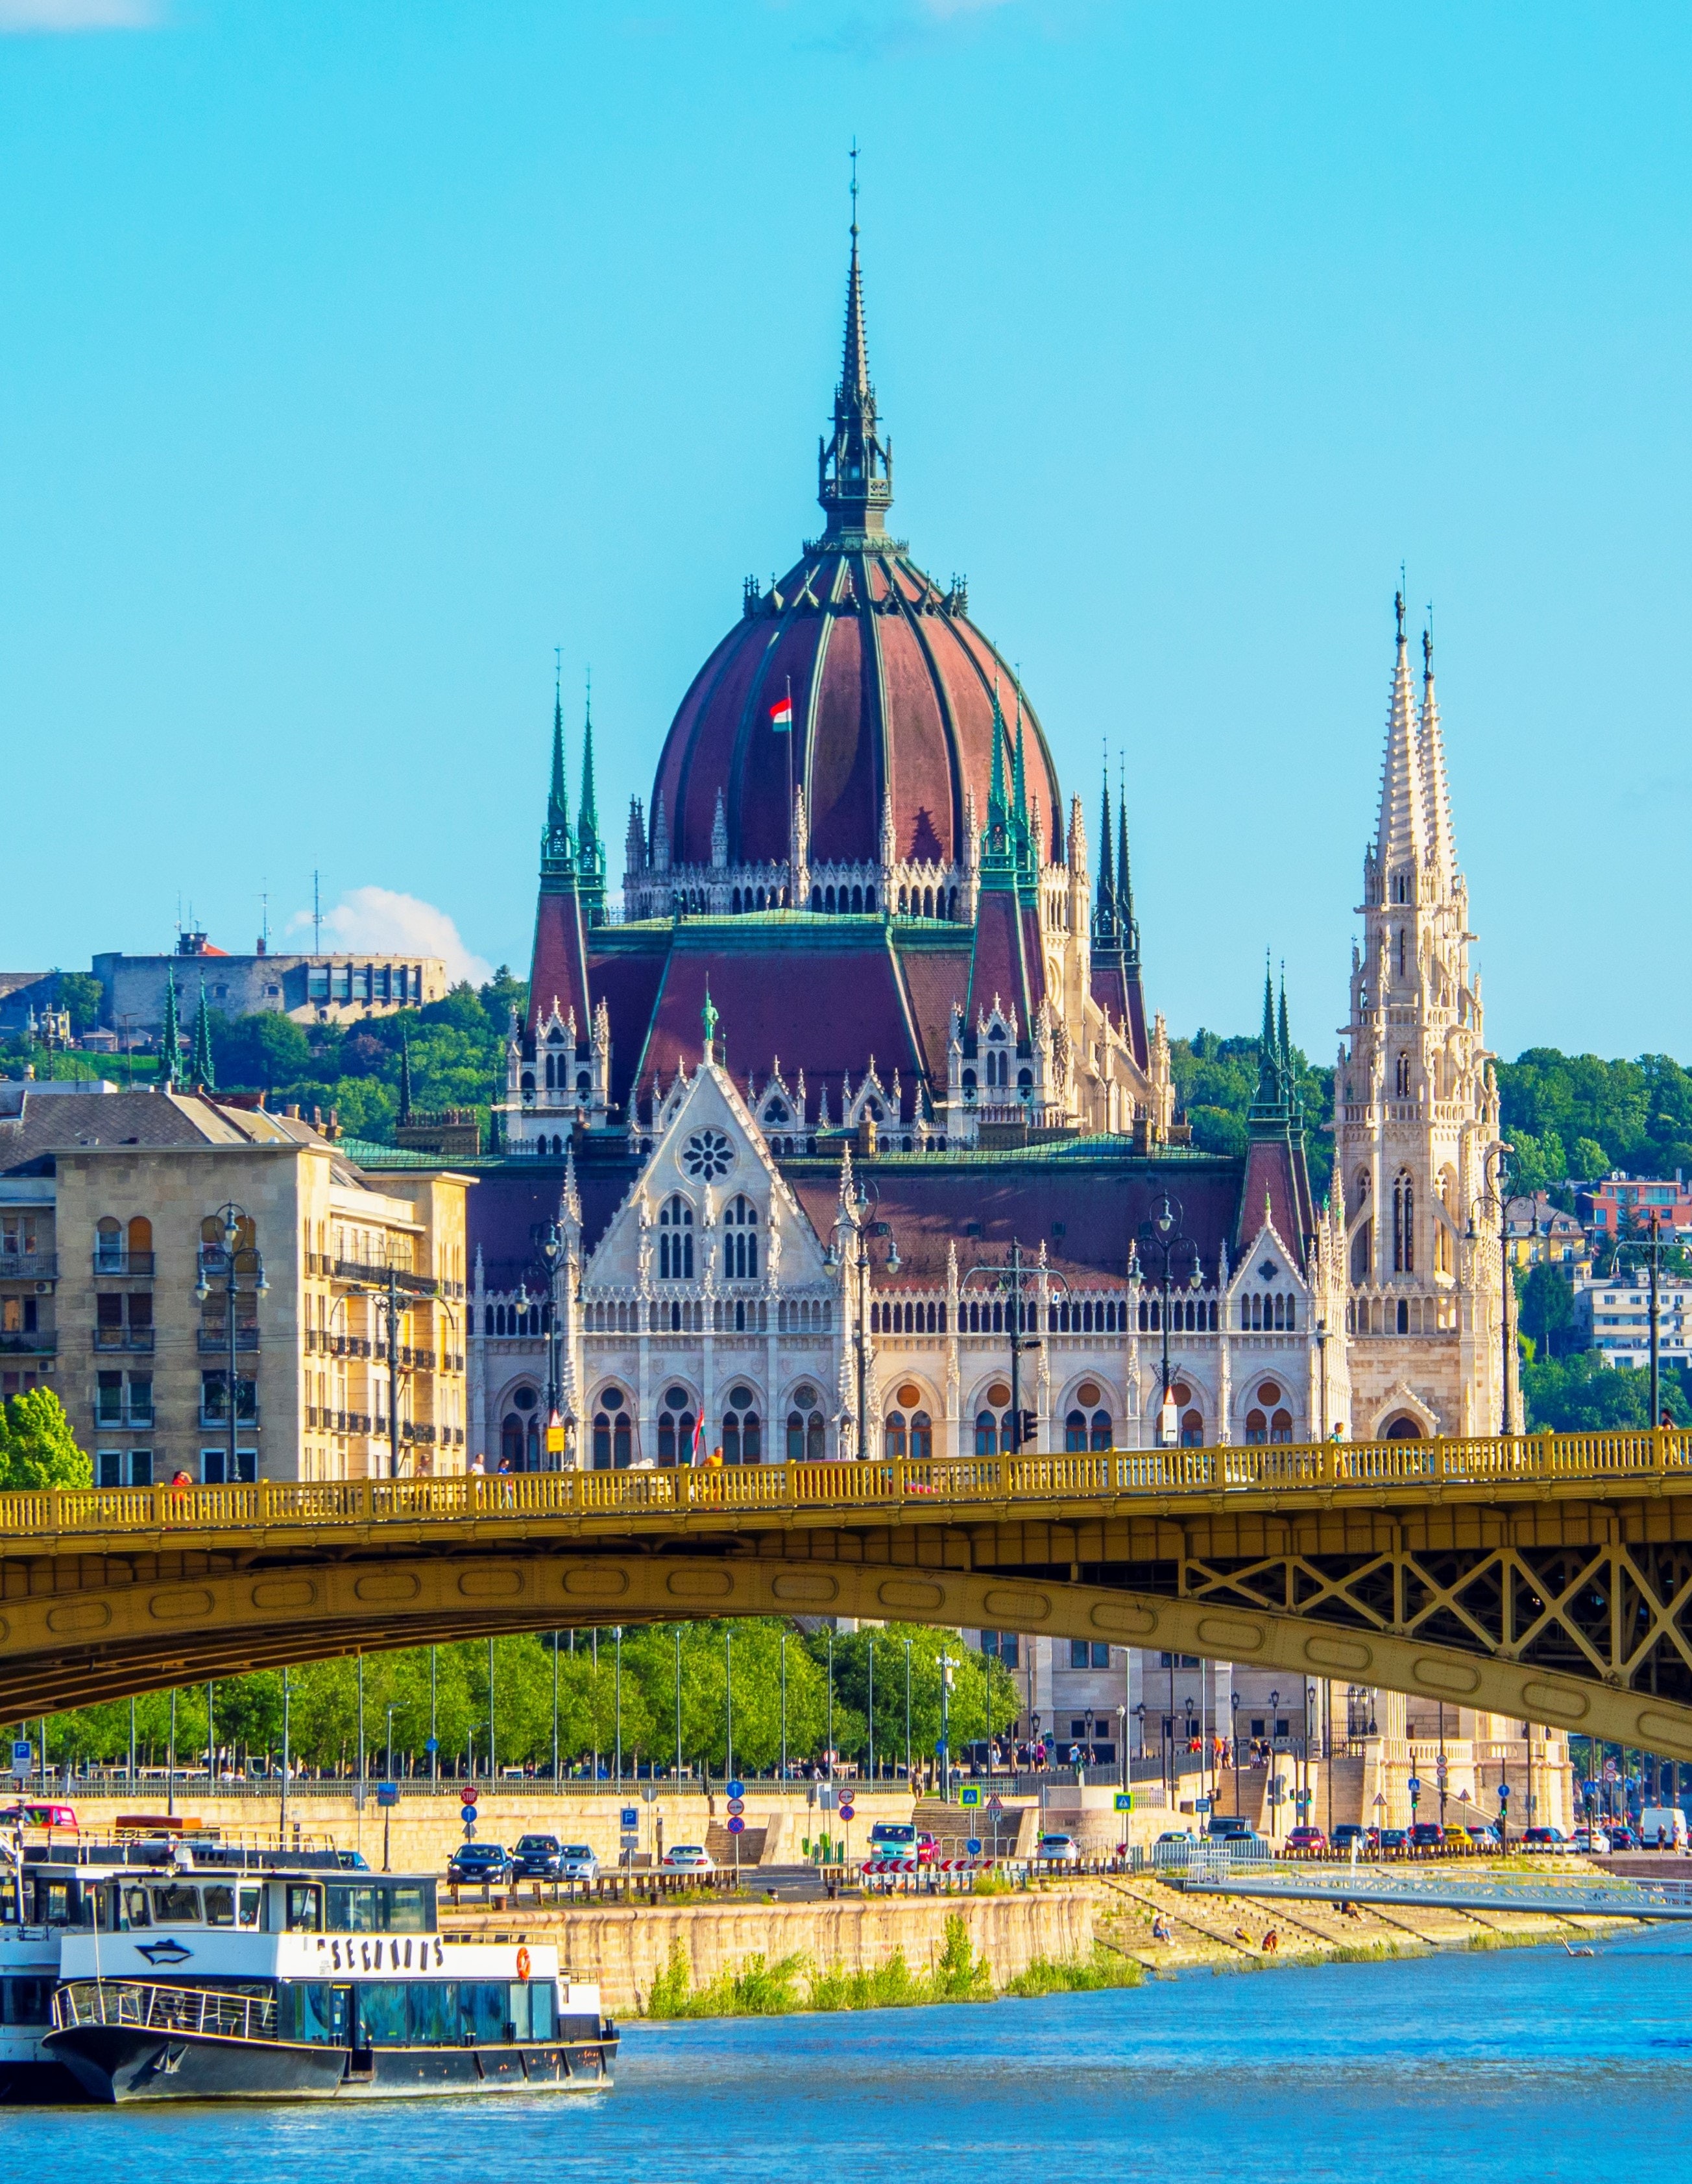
<point x="699" y="1438"/>
<point x="781" y="716"/>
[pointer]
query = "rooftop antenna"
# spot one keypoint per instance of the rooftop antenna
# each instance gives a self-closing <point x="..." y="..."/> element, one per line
<point x="316" y="915"/>
<point x="854" y="185"/>
<point x="265" y="923"/>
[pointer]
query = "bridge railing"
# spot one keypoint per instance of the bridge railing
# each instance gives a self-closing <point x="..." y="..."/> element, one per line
<point x="1366" y="1469"/>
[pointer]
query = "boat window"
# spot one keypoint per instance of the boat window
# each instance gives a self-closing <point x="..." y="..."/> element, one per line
<point x="252" y="1907"/>
<point x="177" y="1903"/>
<point x="219" y="1907"/>
<point x="382" y="2014"/>
<point x="304" y="1907"/>
<point x="531" y="2010"/>
<point x="409" y="1911"/>
<point x="351" y="1910"/>
<point x="485" y="2014"/>
<point x="432" y="2008"/>
<point x="53" y="1902"/>
<point x="135" y="1912"/>
<point x="25" y="2001"/>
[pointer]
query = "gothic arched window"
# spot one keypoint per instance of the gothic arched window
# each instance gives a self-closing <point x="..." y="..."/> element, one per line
<point x="1403" y="1224"/>
<point x="742" y="1436"/>
<point x="1403" y="1081"/>
<point x="675" y="1241"/>
<point x="740" y="1243"/>
<point x="805" y="1442"/>
<point x="675" y="1427"/>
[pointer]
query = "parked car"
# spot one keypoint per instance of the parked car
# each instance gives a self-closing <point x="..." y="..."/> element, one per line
<point x="577" y="1862"/>
<point x="1176" y="1836"/>
<point x="1427" y="1835"/>
<point x="1308" y="1839"/>
<point x="1622" y="1838"/>
<point x="1662" y="1827"/>
<point x="1484" y="1838"/>
<point x="537" y="1858"/>
<point x="1348" y="1833"/>
<point x="689" y="1857"/>
<point x="1059" y="1850"/>
<point x="479" y="1861"/>
<point x="1593" y="1840"/>
<point x="1544" y="1839"/>
<point x="900" y="1839"/>
<point x="40" y="1812"/>
<point x="1393" y="1842"/>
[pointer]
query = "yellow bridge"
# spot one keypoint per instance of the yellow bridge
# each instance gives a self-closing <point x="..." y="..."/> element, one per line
<point x="1549" y="1576"/>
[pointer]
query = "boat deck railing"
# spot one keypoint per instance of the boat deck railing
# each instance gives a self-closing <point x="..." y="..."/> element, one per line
<point x="151" y="2008"/>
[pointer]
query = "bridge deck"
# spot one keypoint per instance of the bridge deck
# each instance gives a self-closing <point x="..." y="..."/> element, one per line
<point x="1533" y="1468"/>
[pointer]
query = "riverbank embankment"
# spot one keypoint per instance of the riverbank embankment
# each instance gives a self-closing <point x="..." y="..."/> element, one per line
<point x="699" y="1949"/>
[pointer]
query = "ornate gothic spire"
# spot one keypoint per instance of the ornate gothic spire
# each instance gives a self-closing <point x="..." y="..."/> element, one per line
<point x="1104" y="909"/>
<point x="1442" y="846"/>
<point x="855" y="468"/>
<point x="171" y="1037"/>
<point x="1127" y="923"/>
<point x="591" y="858"/>
<point x="557" y="845"/>
<point x="202" y="1075"/>
<point x="1401" y="834"/>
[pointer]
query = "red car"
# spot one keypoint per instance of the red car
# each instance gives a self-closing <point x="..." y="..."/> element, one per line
<point x="1308" y="1840"/>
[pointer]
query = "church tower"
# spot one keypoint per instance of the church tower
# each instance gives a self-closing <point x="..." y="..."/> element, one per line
<point x="1416" y="1117"/>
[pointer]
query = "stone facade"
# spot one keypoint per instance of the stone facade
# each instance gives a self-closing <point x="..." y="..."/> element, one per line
<point x="122" y="1198"/>
<point x="310" y="989"/>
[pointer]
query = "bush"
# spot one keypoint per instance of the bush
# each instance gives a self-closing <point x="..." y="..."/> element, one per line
<point x="1104" y="1968"/>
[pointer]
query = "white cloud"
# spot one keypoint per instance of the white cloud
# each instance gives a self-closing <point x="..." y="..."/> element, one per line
<point x="385" y="923"/>
<point x="57" y="15"/>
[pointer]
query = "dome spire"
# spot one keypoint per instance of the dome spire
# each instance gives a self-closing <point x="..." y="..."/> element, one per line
<point x="855" y="467"/>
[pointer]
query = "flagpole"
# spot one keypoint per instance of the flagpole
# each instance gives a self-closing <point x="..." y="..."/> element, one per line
<point x="792" y="861"/>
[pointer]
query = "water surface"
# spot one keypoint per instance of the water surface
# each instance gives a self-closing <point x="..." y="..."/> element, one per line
<point x="1522" y="2064"/>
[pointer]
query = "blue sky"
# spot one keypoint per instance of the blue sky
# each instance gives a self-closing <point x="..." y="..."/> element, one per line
<point x="354" y="356"/>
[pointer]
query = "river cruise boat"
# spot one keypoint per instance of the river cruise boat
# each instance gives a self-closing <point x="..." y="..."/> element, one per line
<point x="47" y="1888"/>
<point x="206" y="1984"/>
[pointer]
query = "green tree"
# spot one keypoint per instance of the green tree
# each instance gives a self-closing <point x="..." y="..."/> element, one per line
<point x="1582" y="1394"/>
<point x="82" y="996"/>
<point x="37" y="1447"/>
<point x="259" y="1053"/>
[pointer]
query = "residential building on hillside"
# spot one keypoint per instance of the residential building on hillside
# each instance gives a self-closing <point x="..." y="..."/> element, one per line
<point x="311" y="988"/>
<point x="1613" y="1317"/>
<point x="1622" y="1206"/>
<point x="1539" y="1234"/>
<point x="331" y="1346"/>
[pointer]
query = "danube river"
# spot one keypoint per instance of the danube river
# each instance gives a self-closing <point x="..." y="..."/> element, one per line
<point x="1525" y="2064"/>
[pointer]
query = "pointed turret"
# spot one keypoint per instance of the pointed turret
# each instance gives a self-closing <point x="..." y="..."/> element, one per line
<point x="201" y="1073"/>
<point x="1266" y="1106"/>
<point x="590" y="859"/>
<point x="1442" y="848"/>
<point x="1124" y="889"/>
<point x="1401" y="833"/>
<point x="557" y="846"/>
<point x="1276" y="1193"/>
<point x="1104" y="908"/>
<point x="855" y="467"/>
<point x="170" y="1037"/>
<point x="1283" y="1043"/>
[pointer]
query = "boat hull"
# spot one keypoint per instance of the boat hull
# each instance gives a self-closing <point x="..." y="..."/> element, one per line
<point x="120" y="2064"/>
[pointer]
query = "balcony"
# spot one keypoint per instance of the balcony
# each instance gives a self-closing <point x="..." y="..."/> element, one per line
<point x="29" y="1266"/>
<point x="213" y="1342"/>
<point x="133" y="1339"/>
<point x="218" y="1415"/>
<point x="139" y="1415"/>
<point x="36" y="1344"/>
<point x="135" y="1264"/>
<point x="378" y="1277"/>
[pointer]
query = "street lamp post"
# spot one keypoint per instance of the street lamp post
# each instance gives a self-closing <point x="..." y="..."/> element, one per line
<point x="552" y="1258"/>
<point x="1161" y="1233"/>
<point x="1494" y="1170"/>
<point x="1234" y="1701"/>
<point x="234" y="1221"/>
<point x="1010" y="1275"/>
<point x="857" y="1212"/>
<point x="907" y="1714"/>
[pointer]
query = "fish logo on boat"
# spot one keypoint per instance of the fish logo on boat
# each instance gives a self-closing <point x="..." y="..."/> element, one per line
<point x="164" y="1952"/>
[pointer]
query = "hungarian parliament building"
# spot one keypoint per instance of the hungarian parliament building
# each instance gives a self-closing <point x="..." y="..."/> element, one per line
<point x="853" y="1134"/>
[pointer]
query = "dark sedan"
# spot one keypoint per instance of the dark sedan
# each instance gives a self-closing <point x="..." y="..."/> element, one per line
<point x="538" y="1858"/>
<point x="479" y="1861"/>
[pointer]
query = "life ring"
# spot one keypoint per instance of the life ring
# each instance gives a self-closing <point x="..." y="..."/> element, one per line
<point x="522" y="1963"/>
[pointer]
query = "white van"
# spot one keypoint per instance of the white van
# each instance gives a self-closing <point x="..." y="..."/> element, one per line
<point x="1662" y="1827"/>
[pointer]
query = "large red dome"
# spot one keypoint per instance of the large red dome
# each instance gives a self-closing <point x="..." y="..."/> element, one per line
<point x="892" y="687"/>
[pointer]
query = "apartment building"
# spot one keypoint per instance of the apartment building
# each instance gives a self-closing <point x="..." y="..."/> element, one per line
<point x="213" y="1289"/>
<point x="311" y="988"/>
<point x="1614" y="1318"/>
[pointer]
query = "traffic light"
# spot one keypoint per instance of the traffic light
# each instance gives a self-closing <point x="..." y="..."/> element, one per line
<point x="1027" y="1430"/>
